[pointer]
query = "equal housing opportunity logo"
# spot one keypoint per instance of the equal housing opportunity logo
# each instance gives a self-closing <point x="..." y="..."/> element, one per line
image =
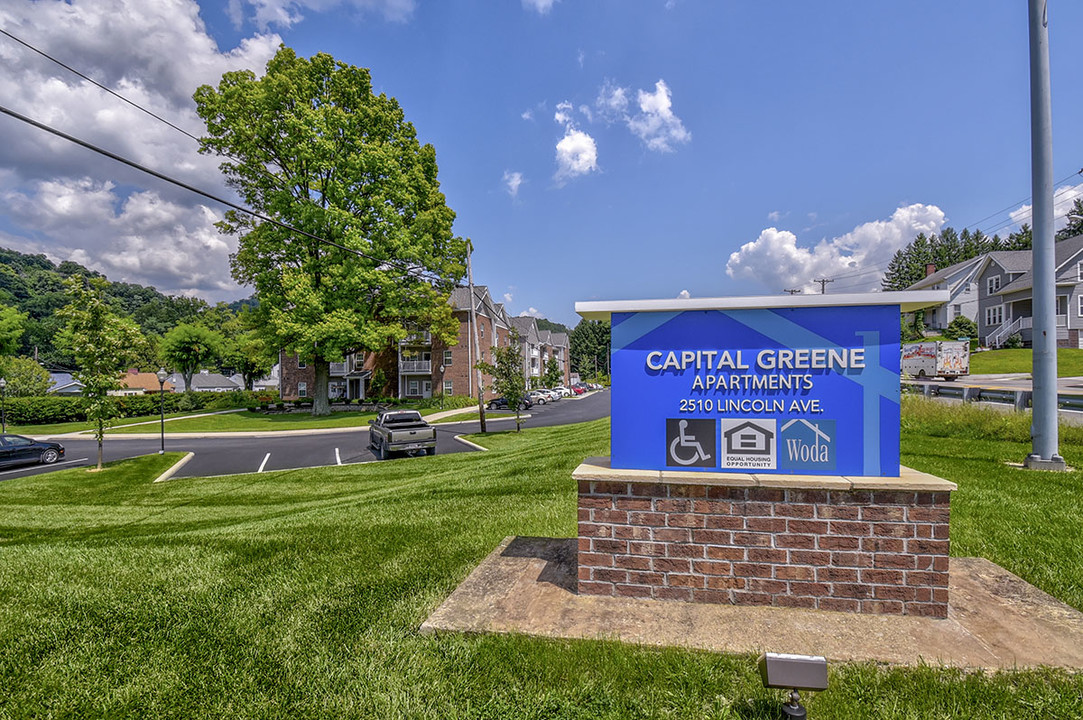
<point x="749" y="444"/>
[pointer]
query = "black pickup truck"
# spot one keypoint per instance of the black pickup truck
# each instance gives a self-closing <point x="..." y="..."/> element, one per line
<point x="401" y="431"/>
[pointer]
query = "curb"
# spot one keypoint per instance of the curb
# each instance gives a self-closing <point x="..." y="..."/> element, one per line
<point x="474" y="445"/>
<point x="175" y="468"/>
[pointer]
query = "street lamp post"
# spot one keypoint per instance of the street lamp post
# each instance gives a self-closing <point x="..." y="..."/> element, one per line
<point x="3" y="405"/>
<point x="162" y="375"/>
<point x="441" y="387"/>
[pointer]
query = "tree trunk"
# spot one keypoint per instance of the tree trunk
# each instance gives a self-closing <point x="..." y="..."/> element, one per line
<point x="187" y="380"/>
<point x="101" y="440"/>
<point x="320" y="404"/>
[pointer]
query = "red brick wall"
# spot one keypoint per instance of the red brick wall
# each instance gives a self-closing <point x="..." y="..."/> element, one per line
<point x="870" y="552"/>
<point x="290" y="375"/>
<point x="460" y="371"/>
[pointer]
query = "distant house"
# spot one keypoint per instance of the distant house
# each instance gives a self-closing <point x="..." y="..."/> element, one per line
<point x="141" y="383"/>
<point x="204" y="381"/>
<point x="996" y="291"/>
<point x="270" y="382"/>
<point x="65" y="384"/>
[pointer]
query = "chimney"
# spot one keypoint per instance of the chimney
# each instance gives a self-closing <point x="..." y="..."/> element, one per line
<point x="930" y="268"/>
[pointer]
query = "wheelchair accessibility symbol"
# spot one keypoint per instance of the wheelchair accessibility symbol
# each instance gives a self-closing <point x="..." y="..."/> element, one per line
<point x="691" y="443"/>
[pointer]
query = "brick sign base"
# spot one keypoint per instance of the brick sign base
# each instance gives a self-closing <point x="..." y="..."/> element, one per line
<point x="866" y="545"/>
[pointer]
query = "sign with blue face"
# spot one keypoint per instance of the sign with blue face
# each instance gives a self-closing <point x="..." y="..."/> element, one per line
<point x="804" y="390"/>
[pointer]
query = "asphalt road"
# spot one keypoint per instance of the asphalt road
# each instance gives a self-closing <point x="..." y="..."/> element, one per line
<point x="233" y="455"/>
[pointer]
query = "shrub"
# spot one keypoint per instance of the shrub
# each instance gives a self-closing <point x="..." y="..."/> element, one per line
<point x="961" y="327"/>
<point x="1014" y="342"/>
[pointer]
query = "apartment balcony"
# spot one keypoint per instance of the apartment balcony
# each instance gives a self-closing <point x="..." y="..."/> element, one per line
<point x="417" y="338"/>
<point x="413" y="367"/>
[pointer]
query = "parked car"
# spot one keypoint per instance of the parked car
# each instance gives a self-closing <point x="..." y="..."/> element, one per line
<point x="579" y="389"/>
<point x="501" y="403"/>
<point x="538" y="397"/>
<point x="553" y="395"/>
<point x="401" y="431"/>
<point x="19" y="450"/>
<point x="564" y="392"/>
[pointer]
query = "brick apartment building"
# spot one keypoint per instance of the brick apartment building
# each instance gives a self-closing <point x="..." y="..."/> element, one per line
<point x="422" y="366"/>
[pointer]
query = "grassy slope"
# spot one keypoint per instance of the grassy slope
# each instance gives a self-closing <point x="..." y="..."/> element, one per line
<point x="1069" y="362"/>
<point x="299" y="594"/>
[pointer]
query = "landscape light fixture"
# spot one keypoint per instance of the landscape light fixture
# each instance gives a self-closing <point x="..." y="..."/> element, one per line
<point x="3" y="403"/>
<point x="162" y="375"/>
<point x="793" y="672"/>
<point x="442" y="387"/>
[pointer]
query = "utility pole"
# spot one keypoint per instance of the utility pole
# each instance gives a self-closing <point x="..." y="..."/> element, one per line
<point x="792" y="291"/>
<point x="474" y="326"/>
<point x="1044" y="429"/>
<point x="823" y="285"/>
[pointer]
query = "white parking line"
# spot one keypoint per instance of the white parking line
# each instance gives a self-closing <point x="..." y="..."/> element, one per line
<point x="338" y="458"/>
<point x="264" y="463"/>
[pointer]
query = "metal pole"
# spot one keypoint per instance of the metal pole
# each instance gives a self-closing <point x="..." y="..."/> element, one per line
<point x="477" y="343"/>
<point x="3" y="406"/>
<point x="1044" y="343"/>
<point x="161" y="409"/>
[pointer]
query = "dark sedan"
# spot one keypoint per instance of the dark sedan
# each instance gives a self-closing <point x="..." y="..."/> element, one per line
<point x="19" y="450"/>
<point x="502" y="403"/>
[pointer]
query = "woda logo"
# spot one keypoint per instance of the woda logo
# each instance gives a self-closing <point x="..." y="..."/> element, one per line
<point x="807" y="444"/>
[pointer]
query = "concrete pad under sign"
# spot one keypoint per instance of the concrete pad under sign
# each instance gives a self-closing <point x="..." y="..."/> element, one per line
<point x="995" y="620"/>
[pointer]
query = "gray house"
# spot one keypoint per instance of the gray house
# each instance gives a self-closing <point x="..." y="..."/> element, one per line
<point x="995" y="290"/>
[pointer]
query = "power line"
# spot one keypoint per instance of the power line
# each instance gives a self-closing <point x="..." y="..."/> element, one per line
<point x="407" y="269"/>
<point x="823" y="284"/>
<point x="792" y="291"/>
<point x="94" y="82"/>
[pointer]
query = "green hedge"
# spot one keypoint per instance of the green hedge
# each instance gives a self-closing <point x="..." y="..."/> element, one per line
<point x="55" y="409"/>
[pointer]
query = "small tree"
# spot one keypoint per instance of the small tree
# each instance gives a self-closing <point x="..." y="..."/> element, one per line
<point x="102" y="344"/>
<point x="553" y="374"/>
<point x="188" y="348"/>
<point x="961" y="327"/>
<point x="507" y="374"/>
<point x="25" y="377"/>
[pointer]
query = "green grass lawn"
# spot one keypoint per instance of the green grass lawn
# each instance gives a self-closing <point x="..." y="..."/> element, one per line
<point x="991" y="362"/>
<point x="246" y="421"/>
<point x="299" y="593"/>
<point x="468" y="416"/>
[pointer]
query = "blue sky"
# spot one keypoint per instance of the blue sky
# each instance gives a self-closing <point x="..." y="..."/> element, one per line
<point x="592" y="150"/>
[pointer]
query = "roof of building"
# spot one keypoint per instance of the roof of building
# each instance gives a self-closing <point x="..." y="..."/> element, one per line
<point x="63" y="380"/>
<point x="205" y="381"/>
<point x="136" y="380"/>
<point x="1063" y="251"/>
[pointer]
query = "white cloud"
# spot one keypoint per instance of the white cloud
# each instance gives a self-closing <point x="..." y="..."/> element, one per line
<point x="527" y="115"/>
<point x="656" y="125"/>
<point x="580" y="58"/>
<point x="65" y="197"/>
<point x="612" y="102"/>
<point x="1063" y="200"/>
<point x="542" y="7"/>
<point x="684" y="294"/>
<point x="508" y="298"/>
<point x="775" y="260"/>
<point x="774" y="216"/>
<point x="577" y="154"/>
<point x="532" y="312"/>
<point x="284" y="13"/>
<point x="563" y="113"/>
<point x="142" y="238"/>
<point x="512" y="180"/>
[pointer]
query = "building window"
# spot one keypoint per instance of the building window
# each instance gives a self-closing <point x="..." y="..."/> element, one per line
<point x="1079" y="271"/>
<point x="302" y="389"/>
<point x="301" y="364"/>
<point x="412" y="387"/>
<point x="447" y="357"/>
<point x="992" y="284"/>
<point x="448" y="388"/>
<point x="967" y="290"/>
<point x="994" y="315"/>
<point x="1081" y="306"/>
<point x="956" y="310"/>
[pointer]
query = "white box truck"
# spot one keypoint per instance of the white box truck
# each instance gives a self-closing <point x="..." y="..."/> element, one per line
<point x="944" y="358"/>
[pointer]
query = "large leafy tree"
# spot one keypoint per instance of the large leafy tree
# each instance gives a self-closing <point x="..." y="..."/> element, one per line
<point x="312" y="146"/>
<point x="25" y="378"/>
<point x="12" y="327"/>
<point x="189" y="348"/>
<point x="102" y="342"/>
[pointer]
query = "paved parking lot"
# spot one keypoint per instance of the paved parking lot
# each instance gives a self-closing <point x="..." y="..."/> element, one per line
<point x="283" y="451"/>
